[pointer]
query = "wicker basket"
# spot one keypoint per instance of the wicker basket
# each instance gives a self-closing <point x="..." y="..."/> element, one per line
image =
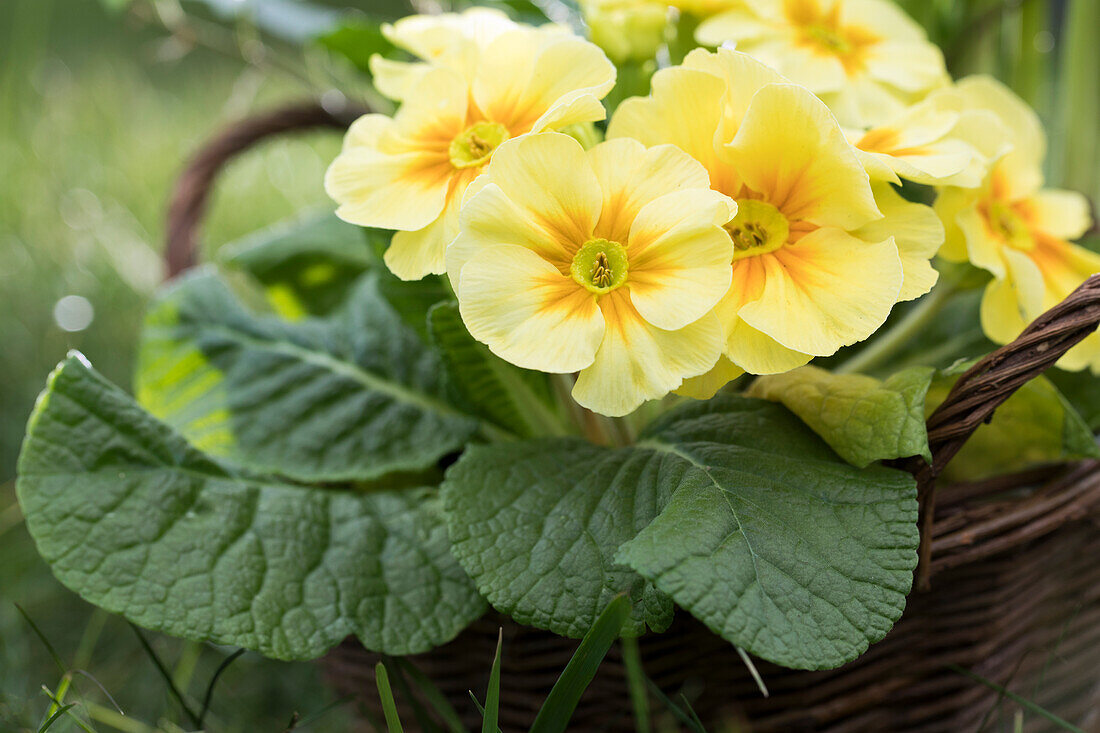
<point x="1008" y="583"/>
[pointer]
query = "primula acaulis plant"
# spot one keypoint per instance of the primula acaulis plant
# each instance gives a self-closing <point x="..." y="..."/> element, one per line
<point x="552" y="344"/>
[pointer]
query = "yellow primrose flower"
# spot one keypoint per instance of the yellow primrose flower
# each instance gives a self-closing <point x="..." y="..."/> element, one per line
<point x="705" y="8"/>
<point x="409" y="172"/>
<point x="606" y="262"/>
<point x="1019" y="231"/>
<point x="450" y="39"/>
<point x="820" y="256"/>
<point x="628" y="30"/>
<point x="865" y="59"/>
<point x="938" y="141"/>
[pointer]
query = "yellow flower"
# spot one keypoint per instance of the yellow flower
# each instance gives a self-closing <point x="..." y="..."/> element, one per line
<point x="1019" y="231"/>
<point x="938" y="141"/>
<point x="865" y="59"/>
<point x="608" y="262"/>
<point x="705" y="8"/>
<point x="628" y="30"/>
<point x="409" y="172"/>
<point x="455" y="40"/>
<point x="821" y="256"/>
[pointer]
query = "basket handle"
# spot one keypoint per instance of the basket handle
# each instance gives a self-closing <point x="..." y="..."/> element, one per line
<point x="192" y="192"/>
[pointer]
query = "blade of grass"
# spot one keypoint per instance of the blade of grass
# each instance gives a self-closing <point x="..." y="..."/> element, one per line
<point x="97" y="683"/>
<point x="574" y="680"/>
<point x="42" y="638"/>
<point x="635" y="679"/>
<point x="68" y="711"/>
<point x="492" y="695"/>
<point x="118" y="721"/>
<point x="480" y="708"/>
<point x="752" y="670"/>
<point x="389" y="706"/>
<point x="209" y="696"/>
<point x="314" y="717"/>
<point x="53" y="718"/>
<point x="1021" y="701"/>
<point x="674" y="708"/>
<point x="423" y="719"/>
<point x="434" y="697"/>
<point x="691" y="711"/>
<point x="163" y="671"/>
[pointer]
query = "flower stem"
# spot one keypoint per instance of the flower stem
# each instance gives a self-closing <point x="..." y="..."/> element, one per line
<point x="879" y="351"/>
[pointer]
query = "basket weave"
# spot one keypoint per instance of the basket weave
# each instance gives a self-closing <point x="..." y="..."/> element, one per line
<point x="1008" y="581"/>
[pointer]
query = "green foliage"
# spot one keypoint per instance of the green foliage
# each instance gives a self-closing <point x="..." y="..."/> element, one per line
<point x="863" y="419"/>
<point x="1035" y="425"/>
<point x="730" y="507"/>
<point x="142" y="524"/>
<point x="351" y="397"/>
<point x="518" y="400"/>
<point x="358" y="39"/>
<point x="1082" y="390"/>
<point x="307" y="266"/>
<point x="770" y="540"/>
<point x="536" y="524"/>
<point x="491" y="711"/>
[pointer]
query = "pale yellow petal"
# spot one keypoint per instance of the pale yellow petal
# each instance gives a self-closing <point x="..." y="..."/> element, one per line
<point x="680" y="256"/>
<point x="631" y="176"/>
<point x="791" y="149"/>
<point x="984" y="248"/>
<point x="490" y="217"/>
<point x="1010" y="303"/>
<point x="433" y="36"/>
<point x="685" y="110"/>
<point x="373" y="189"/>
<point x="1063" y="214"/>
<point x="531" y="82"/>
<point x="743" y="75"/>
<point x="1022" y="167"/>
<point x="707" y="385"/>
<point x="911" y="66"/>
<point x="758" y="353"/>
<point x="637" y="361"/>
<point x="950" y="204"/>
<point x="882" y="17"/>
<point x="527" y="312"/>
<point x="396" y="79"/>
<point x="827" y="291"/>
<point x="737" y="25"/>
<point x="413" y="255"/>
<point x="917" y="232"/>
<point x="549" y="178"/>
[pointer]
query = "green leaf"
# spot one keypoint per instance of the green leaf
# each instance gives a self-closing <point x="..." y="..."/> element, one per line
<point x="771" y="540"/>
<point x="351" y="397"/>
<point x="537" y="523"/>
<point x="308" y="265"/>
<point x="485" y="385"/>
<point x="1082" y="390"/>
<point x="357" y="39"/>
<point x="140" y="523"/>
<point x="554" y="715"/>
<point x="863" y="419"/>
<point x="1036" y="425"/>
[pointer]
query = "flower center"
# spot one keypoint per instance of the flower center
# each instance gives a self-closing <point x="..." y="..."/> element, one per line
<point x="600" y="265"/>
<point x="475" y="145"/>
<point x="757" y="229"/>
<point x="828" y="39"/>
<point x="1009" y="226"/>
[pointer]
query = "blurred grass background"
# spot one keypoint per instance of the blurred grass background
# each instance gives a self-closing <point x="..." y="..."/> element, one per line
<point x="98" y="113"/>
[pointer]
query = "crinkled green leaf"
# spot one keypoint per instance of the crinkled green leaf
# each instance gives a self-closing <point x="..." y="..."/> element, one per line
<point x="731" y="507"/>
<point x="351" y="397"/>
<point x="537" y="523"/>
<point x="485" y="385"/>
<point x="139" y="522"/>
<point x="1036" y="425"/>
<point x="771" y="540"/>
<point x="307" y="265"/>
<point x="863" y="419"/>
